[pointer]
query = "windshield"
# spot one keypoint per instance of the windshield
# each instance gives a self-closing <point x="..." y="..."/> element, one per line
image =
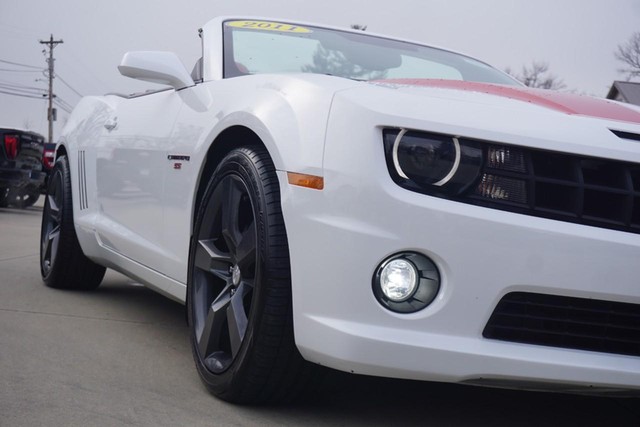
<point x="256" y="47"/>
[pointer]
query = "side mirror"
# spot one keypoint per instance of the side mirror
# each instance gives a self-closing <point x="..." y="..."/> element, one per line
<point x="156" y="67"/>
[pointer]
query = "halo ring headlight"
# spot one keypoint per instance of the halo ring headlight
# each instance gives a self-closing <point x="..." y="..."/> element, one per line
<point x="432" y="163"/>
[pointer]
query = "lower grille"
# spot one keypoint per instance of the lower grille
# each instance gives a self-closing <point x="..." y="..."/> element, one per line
<point x="559" y="321"/>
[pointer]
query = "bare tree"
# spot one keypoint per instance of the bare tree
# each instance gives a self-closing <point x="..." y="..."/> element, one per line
<point x="629" y="54"/>
<point x="537" y="75"/>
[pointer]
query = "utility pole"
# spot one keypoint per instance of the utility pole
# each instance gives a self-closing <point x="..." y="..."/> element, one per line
<point x="51" y="113"/>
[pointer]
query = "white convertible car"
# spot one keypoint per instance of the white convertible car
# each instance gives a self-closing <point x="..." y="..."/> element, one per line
<point x="324" y="196"/>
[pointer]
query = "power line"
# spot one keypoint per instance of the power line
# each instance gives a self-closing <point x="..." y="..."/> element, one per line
<point x="21" y="86"/>
<point x="80" y="61"/>
<point x="64" y="108"/>
<point x="25" y="91"/>
<point x="6" y="83"/>
<point x="19" y="64"/>
<point x="21" y="95"/>
<point x="22" y="71"/>
<point x="63" y="104"/>
<point x="61" y="100"/>
<point x="69" y="86"/>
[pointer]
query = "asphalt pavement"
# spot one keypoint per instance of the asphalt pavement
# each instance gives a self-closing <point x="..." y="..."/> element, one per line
<point x="120" y="356"/>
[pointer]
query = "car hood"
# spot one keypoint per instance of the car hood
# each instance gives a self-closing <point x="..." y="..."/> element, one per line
<point x="507" y="114"/>
<point x="566" y="103"/>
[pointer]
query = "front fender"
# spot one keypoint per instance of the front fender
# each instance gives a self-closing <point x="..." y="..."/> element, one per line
<point x="288" y="113"/>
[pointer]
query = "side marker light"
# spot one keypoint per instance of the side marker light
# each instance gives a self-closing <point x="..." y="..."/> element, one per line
<point x="308" y="181"/>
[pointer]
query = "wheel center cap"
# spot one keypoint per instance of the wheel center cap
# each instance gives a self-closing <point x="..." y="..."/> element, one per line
<point x="235" y="275"/>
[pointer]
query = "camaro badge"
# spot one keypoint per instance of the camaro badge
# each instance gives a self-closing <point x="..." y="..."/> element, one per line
<point x="178" y="157"/>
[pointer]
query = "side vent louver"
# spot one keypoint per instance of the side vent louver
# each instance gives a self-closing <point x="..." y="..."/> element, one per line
<point x="82" y="180"/>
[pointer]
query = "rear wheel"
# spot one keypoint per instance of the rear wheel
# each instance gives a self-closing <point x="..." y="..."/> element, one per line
<point x="4" y="197"/>
<point x="24" y="198"/>
<point x="62" y="263"/>
<point x="239" y="290"/>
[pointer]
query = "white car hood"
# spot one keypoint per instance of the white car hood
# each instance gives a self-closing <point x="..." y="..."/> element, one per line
<point x="518" y="97"/>
<point x="506" y="114"/>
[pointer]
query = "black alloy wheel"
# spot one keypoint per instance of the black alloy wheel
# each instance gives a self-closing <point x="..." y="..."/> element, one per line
<point x="225" y="261"/>
<point x="63" y="265"/>
<point x="4" y="197"/>
<point x="239" y="290"/>
<point x="51" y="221"/>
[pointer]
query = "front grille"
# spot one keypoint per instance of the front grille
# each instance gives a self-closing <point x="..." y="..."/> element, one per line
<point x="559" y="321"/>
<point x="566" y="187"/>
<point x="585" y="190"/>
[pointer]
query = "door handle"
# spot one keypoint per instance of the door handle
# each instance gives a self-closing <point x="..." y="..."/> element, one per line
<point x="111" y="124"/>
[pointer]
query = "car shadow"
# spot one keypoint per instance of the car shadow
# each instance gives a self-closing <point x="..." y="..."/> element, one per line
<point x="337" y="398"/>
<point x="361" y="400"/>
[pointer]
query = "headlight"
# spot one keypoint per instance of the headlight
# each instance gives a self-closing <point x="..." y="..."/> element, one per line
<point x="432" y="162"/>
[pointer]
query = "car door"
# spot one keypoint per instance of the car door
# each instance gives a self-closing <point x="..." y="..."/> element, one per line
<point x="130" y="164"/>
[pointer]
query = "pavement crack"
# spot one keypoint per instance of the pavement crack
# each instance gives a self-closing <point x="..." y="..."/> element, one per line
<point x="75" y="316"/>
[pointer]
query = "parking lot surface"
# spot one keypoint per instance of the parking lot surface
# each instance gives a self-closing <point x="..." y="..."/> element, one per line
<point x="120" y="356"/>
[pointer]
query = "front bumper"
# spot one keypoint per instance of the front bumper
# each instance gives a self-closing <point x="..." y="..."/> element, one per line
<point x="339" y="236"/>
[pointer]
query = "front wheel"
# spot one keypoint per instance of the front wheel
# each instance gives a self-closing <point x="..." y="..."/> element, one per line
<point x="239" y="288"/>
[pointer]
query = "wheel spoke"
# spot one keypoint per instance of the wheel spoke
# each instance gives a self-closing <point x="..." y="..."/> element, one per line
<point x="246" y="250"/>
<point x="54" y="197"/>
<point x="209" y="258"/>
<point x="209" y="340"/>
<point x="237" y="318"/>
<point x="54" y="216"/>
<point x="53" y="206"/>
<point x="54" y="238"/>
<point x="51" y="244"/>
<point x="46" y="248"/>
<point x="232" y="195"/>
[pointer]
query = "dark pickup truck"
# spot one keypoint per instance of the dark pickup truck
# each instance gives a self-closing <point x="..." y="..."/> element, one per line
<point x="22" y="172"/>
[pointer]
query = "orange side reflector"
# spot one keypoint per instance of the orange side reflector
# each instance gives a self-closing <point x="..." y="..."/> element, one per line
<point x="309" y="181"/>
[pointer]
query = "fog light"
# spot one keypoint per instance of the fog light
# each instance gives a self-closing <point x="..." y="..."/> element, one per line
<point x="399" y="280"/>
<point x="406" y="282"/>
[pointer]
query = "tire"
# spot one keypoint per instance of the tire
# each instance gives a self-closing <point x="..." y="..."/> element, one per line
<point x="239" y="286"/>
<point x="63" y="265"/>
<point x="4" y="197"/>
<point x="23" y="198"/>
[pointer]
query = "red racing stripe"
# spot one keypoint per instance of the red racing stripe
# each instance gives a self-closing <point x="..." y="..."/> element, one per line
<point x="564" y="102"/>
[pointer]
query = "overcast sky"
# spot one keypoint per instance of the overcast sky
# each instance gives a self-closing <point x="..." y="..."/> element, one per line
<point x="576" y="37"/>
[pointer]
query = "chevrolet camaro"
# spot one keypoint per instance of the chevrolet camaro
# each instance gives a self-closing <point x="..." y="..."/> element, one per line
<point x="321" y="196"/>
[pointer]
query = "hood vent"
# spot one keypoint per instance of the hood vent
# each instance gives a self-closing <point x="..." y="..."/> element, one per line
<point x="626" y="135"/>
